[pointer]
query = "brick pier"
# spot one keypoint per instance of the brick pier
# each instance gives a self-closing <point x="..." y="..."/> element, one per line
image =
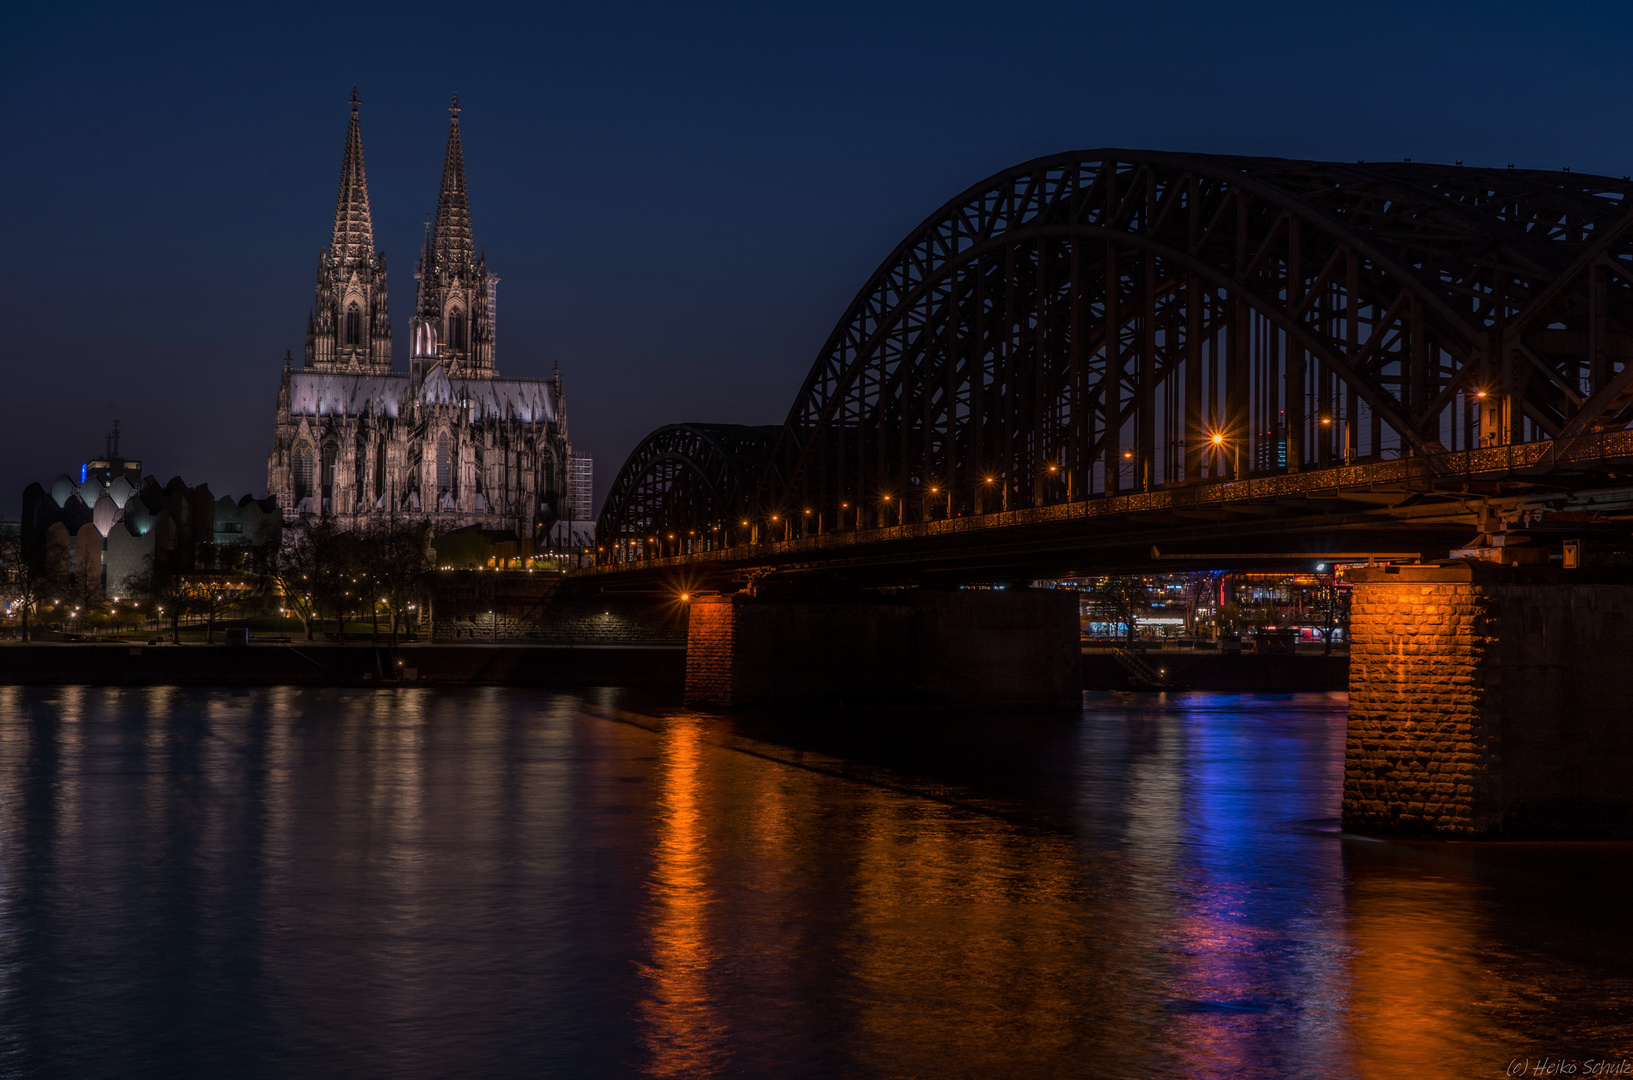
<point x="1489" y="701"/>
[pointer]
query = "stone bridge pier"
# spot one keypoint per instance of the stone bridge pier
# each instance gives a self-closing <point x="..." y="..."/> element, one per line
<point x="980" y="648"/>
<point x="1490" y="701"/>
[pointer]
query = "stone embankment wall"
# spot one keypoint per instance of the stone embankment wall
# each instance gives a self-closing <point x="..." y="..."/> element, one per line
<point x="1488" y="701"/>
<point x="520" y="608"/>
<point x="976" y="648"/>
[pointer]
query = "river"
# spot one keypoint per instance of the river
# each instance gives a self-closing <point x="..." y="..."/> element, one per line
<point x="507" y="883"/>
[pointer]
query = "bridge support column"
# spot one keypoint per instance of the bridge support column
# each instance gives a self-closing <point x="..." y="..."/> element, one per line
<point x="1489" y="701"/>
<point x="982" y="648"/>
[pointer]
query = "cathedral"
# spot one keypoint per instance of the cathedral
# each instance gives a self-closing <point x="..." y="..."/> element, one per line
<point x="448" y="441"/>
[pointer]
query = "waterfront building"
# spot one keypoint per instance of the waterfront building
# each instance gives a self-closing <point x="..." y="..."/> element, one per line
<point x="449" y="440"/>
<point x="102" y="523"/>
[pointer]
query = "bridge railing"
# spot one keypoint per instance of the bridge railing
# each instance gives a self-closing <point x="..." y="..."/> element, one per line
<point x="1533" y="461"/>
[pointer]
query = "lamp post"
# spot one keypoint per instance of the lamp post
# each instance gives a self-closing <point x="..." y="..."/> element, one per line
<point x="1055" y="472"/>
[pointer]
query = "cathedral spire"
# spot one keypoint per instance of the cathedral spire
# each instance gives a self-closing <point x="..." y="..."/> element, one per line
<point x="452" y="234"/>
<point x="354" y="228"/>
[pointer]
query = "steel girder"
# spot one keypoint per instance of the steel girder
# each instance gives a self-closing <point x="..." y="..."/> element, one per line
<point x="684" y="488"/>
<point x="1111" y="321"/>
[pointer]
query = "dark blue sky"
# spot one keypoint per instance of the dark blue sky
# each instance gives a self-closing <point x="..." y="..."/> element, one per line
<point x="680" y="200"/>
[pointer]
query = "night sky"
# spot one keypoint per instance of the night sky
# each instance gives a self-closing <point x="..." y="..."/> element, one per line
<point x="680" y="201"/>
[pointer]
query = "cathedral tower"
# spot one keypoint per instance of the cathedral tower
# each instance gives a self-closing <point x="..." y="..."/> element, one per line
<point x="455" y="303"/>
<point x="448" y="442"/>
<point x="349" y="329"/>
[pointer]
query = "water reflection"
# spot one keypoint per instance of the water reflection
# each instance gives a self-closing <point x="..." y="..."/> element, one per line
<point x="494" y="883"/>
<point x="682" y="1034"/>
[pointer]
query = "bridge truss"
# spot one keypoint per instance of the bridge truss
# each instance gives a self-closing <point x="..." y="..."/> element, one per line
<point x="1110" y="322"/>
<point x="689" y="485"/>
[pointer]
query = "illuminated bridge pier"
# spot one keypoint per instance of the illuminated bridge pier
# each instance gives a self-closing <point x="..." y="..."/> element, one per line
<point x="1489" y="701"/>
<point x="984" y="648"/>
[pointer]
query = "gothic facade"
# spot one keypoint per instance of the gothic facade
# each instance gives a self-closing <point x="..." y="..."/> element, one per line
<point x="448" y="440"/>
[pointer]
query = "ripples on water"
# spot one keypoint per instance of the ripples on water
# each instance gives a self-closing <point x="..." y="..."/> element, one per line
<point x="506" y="883"/>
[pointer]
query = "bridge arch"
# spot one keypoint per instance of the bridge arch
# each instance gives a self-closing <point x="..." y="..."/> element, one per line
<point x="1112" y="321"/>
<point x="686" y="487"/>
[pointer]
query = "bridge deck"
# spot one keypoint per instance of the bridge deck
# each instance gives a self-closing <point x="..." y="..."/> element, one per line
<point x="1407" y="504"/>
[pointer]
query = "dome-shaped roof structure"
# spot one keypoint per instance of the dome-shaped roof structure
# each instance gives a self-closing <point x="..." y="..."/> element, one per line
<point x="105" y="515"/>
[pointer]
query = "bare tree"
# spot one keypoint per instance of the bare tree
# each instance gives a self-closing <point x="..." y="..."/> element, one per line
<point x="162" y="581"/>
<point x="1126" y="598"/>
<point x="294" y="570"/>
<point x="232" y="576"/>
<point x="336" y="581"/>
<point x="399" y="557"/>
<point x="1331" y="608"/>
<point x="27" y="578"/>
<point x="84" y="593"/>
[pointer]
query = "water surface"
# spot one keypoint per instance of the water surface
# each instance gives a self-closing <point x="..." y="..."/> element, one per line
<point x="507" y="883"/>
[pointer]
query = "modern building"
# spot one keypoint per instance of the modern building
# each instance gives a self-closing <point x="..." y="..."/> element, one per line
<point x="581" y="487"/>
<point x="577" y="527"/>
<point x="449" y="439"/>
<point x="104" y="521"/>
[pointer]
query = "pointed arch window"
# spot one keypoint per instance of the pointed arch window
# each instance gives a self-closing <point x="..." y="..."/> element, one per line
<point x="445" y="471"/>
<point x="456" y="329"/>
<point x="327" y="479"/>
<point x="354" y="324"/>
<point x="380" y="472"/>
<point x="303" y="472"/>
<point x="360" y="464"/>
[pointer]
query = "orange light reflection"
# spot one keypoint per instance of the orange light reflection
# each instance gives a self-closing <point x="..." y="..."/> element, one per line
<point x="683" y="1035"/>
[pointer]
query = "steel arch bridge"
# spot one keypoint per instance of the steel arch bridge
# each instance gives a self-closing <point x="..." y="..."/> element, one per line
<point x="692" y="483"/>
<point x="1095" y="324"/>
